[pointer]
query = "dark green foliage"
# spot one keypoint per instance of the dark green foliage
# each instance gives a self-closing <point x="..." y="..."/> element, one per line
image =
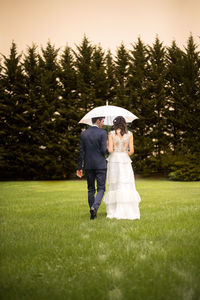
<point x="83" y="63"/>
<point x="156" y="84"/>
<point x="175" y="95"/>
<point x="140" y="105"/>
<point x="110" y="78"/>
<point x="3" y="131"/>
<point x="184" y="110"/>
<point x="14" y="122"/>
<point x="186" y="168"/>
<point x="121" y="74"/>
<point x="99" y="80"/>
<point x="51" y="138"/>
<point x="191" y="99"/>
<point x="69" y="114"/>
<point x="43" y="97"/>
<point x="34" y="153"/>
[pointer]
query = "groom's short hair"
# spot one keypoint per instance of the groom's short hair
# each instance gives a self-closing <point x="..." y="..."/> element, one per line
<point x="97" y="118"/>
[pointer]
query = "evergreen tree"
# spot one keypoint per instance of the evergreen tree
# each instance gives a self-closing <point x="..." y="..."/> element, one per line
<point x="99" y="81"/>
<point x="121" y="73"/>
<point x="187" y="164"/>
<point x="139" y="105"/>
<point x="110" y="78"/>
<point x="33" y="154"/>
<point x="191" y="100"/>
<point x="68" y="113"/>
<point x="47" y="114"/>
<point x="83" y="64"/>
<point x="3" y="129"/>
<point x="13" y="118"/>
<point x="157" y="103"/>
<point x="175" y="95"/>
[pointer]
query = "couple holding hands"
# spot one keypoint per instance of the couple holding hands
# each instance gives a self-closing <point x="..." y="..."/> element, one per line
<point x="121" y="197"/>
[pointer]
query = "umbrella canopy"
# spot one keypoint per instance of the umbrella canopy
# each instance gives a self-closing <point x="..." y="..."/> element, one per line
<point x="110" y="112"/>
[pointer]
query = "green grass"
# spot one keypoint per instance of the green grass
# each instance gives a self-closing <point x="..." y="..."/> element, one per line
<point x="51" y="250"/>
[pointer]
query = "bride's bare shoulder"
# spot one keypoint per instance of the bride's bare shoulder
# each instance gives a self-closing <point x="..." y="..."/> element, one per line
<point x="111" y="132"/>
<point x="130" y="133"/>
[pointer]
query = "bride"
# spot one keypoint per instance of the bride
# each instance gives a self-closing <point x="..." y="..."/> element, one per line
<point x="122" y="199"/>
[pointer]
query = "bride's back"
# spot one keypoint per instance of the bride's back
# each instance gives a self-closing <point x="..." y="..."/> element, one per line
<point x="120" y="143"/>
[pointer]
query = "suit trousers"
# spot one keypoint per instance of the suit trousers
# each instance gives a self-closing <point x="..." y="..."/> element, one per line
<point x="100" y="176"/>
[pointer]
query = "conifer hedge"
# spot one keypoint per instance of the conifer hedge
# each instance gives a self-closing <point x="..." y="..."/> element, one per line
<point x="45" y="92"/>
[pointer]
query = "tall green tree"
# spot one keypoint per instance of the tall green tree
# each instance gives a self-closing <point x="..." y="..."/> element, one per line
<point x="34" y="153"/>
<point x="121" y="73"/>
<point x="175" y="95"/>
<point x="140" y="105"/>
<point x="83" y="64"/>
<point x="13" y="119"/>
<point x="48" y="125"/>
<point x="3" y="129"/>
<point x="110" y="78"/>
<point x="187" y="165"/>
<point x="191" y="100"/>
<point x="68" y="112"/>
<point x="99" y="80"/>
<point x="157" y="102"/>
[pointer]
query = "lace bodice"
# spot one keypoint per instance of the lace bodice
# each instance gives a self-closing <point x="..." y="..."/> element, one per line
<point x="120" y="144"/>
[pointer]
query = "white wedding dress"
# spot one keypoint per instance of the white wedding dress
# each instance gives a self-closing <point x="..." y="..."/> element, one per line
<point x="121" y="198"/>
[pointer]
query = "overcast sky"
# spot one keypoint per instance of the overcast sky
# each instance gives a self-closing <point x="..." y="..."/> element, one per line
<point x="105" y="22"/>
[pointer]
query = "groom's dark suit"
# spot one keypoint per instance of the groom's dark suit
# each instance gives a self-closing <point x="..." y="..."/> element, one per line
<point x="93" y="147"/>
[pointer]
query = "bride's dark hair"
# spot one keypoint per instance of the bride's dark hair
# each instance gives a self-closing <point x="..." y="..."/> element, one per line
<point x="120" y="123"/>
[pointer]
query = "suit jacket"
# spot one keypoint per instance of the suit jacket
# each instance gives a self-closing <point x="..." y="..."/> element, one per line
<point x="93" y="147"/>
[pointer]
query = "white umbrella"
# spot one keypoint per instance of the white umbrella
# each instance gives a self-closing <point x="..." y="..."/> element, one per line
<point x="110" y="112"/>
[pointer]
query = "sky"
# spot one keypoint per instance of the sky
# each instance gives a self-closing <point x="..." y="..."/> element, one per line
<point x="107" y="23"/>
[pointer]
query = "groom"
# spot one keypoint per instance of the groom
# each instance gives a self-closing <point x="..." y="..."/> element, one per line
<point x="93" y="147"/>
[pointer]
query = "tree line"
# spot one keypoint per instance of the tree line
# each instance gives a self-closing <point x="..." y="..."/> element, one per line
<point x="43" y="95"/>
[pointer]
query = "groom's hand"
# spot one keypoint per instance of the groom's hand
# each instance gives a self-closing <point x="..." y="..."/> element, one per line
<point x="79" y="173"/>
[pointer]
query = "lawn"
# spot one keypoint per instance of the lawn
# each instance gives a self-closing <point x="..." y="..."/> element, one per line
<point x="50" y="249"/>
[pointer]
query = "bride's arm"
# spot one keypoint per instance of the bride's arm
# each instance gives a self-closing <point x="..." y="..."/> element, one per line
<point x="110" y="143"/>
<point x="131" y="147"/>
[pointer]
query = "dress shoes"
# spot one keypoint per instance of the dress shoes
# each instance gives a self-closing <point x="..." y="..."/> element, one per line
<point x="93" y="213"/>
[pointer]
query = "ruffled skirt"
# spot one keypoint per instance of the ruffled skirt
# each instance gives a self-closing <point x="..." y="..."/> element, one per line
<point x="121" y="198"/>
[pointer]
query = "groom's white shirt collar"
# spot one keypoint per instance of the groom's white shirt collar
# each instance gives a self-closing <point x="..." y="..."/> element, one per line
<point x="93" y="125"/>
